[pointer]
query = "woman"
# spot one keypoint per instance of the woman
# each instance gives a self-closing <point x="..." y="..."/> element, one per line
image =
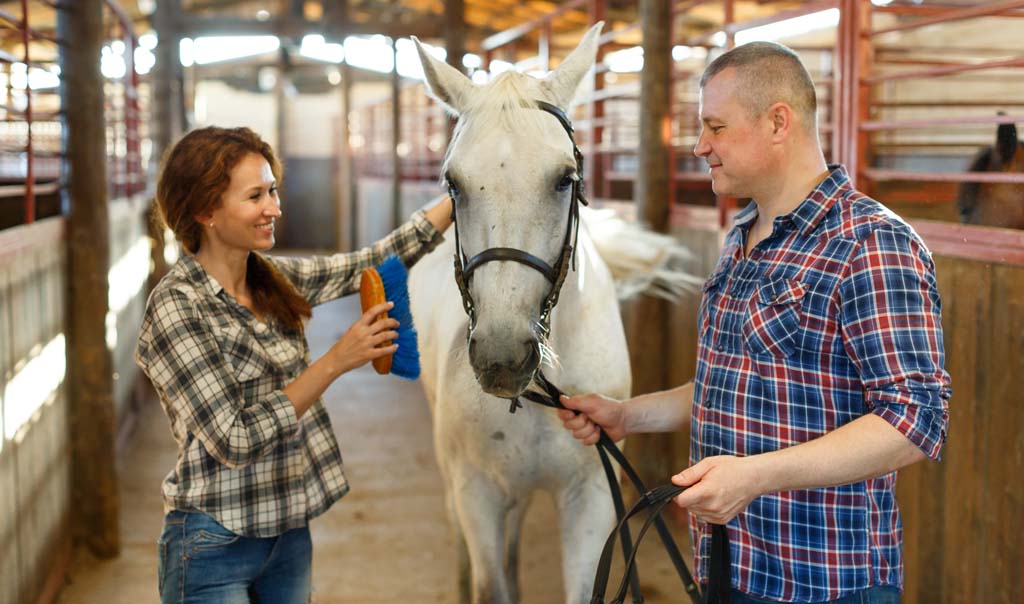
<point x="222" y="341"/>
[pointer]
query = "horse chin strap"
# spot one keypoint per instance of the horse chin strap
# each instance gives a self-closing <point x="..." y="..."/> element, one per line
<point x="464" y="267"/>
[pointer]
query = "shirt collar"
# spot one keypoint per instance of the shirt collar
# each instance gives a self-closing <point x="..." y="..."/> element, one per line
<point x="197" y="275"/>
<point x="812" y="210"/>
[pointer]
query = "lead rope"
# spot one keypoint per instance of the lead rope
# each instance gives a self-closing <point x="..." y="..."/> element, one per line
<point x="717" y="592"/>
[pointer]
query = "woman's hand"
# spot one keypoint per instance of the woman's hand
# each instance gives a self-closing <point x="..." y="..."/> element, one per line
<point x="440" y="214"/>
<point x="363" y="341"/>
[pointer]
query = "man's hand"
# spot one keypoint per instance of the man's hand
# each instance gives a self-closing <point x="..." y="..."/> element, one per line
<point x="719" y="487"/>
<point x="596" y="412"/>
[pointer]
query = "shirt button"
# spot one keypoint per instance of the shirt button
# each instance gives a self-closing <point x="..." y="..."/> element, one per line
<point x="720" y="348"/>
<point x="707" y="403"/>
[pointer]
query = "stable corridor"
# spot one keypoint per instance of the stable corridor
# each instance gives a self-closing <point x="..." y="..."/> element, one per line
<point x="386" y="542"/>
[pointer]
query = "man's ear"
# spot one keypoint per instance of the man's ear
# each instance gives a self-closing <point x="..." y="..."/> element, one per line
<point x="781" y="116"/>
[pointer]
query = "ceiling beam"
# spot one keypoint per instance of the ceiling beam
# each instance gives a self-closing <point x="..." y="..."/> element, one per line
<point x="193" y="26"/>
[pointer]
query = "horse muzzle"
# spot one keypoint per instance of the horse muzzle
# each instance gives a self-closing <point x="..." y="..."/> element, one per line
<point x="504" y="370"/>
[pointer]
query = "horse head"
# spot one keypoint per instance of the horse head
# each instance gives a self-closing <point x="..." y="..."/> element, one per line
<point x="995" y="204"/>
<point x="513" y="175"/>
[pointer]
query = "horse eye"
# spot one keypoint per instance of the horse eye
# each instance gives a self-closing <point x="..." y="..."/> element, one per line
<point x="565" y="183"/>
<point x="453" y="189"/>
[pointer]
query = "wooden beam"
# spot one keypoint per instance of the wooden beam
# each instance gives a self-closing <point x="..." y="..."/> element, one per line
<point x="194" y="26"/>
<point x="92" y="425"/>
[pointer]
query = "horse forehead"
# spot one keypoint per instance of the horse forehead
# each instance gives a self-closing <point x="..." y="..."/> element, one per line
<point x="513" y="154"/>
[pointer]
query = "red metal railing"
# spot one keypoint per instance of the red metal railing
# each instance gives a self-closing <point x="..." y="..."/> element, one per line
<point x="30" y="126"/>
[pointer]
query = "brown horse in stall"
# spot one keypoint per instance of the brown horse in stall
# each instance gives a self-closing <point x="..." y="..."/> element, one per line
<point x="995" y="204"/>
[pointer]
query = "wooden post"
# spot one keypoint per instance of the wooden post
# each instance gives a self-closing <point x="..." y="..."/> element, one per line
<point x="396" y="138"/>
<point x="345" y="200"/>
<point x="648" y="316"/>
<point x="168" y="75"/>
<point x="92" y="422"/>
<point x="455" y="32"/>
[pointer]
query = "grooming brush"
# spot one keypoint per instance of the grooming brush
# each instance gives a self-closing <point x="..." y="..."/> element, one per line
<point x="388" y="283"/>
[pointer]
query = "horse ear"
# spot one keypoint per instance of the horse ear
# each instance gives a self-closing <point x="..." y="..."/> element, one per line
<point x="1006" y="142"/>
<point x="448" y="85"/>
<point x="561" y="83"/>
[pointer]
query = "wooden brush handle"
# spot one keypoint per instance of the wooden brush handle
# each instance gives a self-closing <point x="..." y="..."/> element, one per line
<point x="371" y="293"/>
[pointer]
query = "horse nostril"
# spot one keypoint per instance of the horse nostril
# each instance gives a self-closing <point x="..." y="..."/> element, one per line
<point x="531" y="356"/>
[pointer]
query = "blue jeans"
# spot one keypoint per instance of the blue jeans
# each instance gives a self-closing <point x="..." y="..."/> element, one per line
<point x="201" y="562"/>
<point x="881" y="594"/>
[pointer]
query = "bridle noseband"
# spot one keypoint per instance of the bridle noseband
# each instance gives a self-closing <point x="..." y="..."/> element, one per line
<point x="464" y="268"/>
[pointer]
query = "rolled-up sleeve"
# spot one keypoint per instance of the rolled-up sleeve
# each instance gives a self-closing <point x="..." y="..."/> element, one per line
<point x="179" y="353"/>
<point x="891" y="319"/>
<point x="325" y="278"/>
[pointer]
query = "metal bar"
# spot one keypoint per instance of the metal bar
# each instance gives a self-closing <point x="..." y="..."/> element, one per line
<point x="970" y="12"/>
<point x="933" y="10"/>
<point x="942" y="71"/>
<point x="880" y="175"/>
<point x="985" y="244"/>
<point x="19" y="190"/>
<point x="511" y="35"/>
<point x="874" y="126"/>
<point x="732" y="27"/>
<point x="611" y="35"/>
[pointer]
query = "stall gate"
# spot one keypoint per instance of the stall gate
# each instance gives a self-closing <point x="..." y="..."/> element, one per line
<point x="35" y="417"/>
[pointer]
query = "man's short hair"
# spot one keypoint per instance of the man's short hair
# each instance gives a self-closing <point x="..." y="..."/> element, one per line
<point x="768" y="73"/>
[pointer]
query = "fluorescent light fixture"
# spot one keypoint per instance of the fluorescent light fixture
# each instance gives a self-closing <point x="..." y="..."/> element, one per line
<point x="790" y="27"/>
<point x="118" y="47"/>
<point x="39" y="79"/>
<point x="214" y="49"/>
<point x="148" y="40"/>
<point x="262" y="15"/>
<point x="480" y="77"/>
<point x="681" y="53"/>
<point x="144" y="60"/>
<point x="471" y="61"/>
<point x="186" y="52"/>
<point x="112" y="65"/>
<point x="881" y="2"/>
<point x="627" y="60"/>
<point x="314" y="47"/>
<point x="33" y="385"/>
<point x="498" y="66"/>
<point x="409" y="61"/>
<point x="372" y="53"/>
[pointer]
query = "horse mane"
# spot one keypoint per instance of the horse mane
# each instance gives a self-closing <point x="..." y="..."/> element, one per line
<point x="641" y="261"/>
<point x="967" y="195"/>
<point x="505" y="102"/>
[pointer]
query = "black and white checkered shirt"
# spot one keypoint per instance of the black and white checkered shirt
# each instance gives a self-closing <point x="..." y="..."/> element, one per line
<point x="243" y="456"/>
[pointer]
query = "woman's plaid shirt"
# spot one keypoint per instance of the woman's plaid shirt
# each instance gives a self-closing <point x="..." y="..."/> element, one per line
<point x="835" y="315"/>
<point x="243" y="456"/>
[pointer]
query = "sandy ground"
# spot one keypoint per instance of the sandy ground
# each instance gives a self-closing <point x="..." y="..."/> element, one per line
<point x="386" y="542"/>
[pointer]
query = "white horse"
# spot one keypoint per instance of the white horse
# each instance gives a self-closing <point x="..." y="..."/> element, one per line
<point x="511" y="168"/>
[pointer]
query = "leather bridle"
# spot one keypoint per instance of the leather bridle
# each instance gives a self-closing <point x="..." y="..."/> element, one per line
<point x="464" y="268"/>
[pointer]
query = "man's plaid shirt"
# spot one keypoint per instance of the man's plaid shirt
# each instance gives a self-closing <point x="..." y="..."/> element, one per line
<point x="243" y="456"/>
<point x="835" y="315"/>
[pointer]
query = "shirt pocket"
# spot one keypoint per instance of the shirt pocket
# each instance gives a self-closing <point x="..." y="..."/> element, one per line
<point x="244" y="354"/>
<point x="774" y="321"/>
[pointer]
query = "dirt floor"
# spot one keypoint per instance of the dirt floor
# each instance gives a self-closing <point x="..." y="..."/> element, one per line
<point x="386" y="542"/>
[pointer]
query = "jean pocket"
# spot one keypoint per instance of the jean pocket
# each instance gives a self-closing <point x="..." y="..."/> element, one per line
<point x="205" y="533"/>
<point x="774" y="321"/>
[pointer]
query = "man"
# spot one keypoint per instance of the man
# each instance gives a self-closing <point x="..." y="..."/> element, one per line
<point x="820" y="356"/>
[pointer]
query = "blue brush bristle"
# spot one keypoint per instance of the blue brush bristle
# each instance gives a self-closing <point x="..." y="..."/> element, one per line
<point x="406" y="361"/>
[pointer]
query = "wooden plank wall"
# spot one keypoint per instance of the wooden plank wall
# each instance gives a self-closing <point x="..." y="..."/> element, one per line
<point x="35" y="463"/>
<point x="963" y="516"/>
